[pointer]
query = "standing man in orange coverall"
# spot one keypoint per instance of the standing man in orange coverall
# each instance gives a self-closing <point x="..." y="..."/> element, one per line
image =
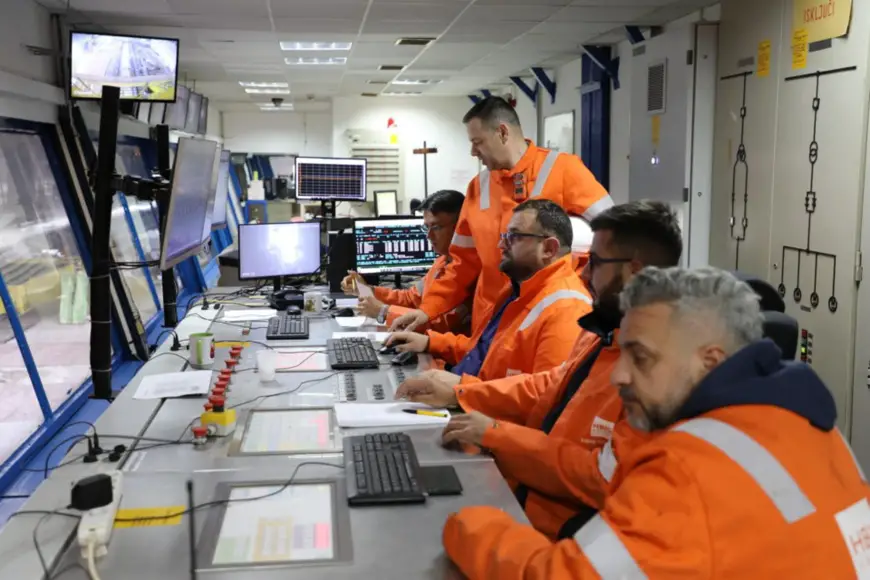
<point x="515" y="170"/>
<point x="746" y="476"/>
<point x="440" y="212"/>
<point x="557" y="435"/>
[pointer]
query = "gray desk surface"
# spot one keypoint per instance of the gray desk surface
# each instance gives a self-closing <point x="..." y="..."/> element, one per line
<point x="388" y="542"/>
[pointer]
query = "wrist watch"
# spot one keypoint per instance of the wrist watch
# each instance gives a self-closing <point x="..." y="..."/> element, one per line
<point x="382" y="315"/>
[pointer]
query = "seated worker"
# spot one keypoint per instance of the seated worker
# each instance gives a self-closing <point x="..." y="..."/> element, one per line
<point x="550" y="432"/>
<point x="440" y="212"/>
<point x="745" y="475"/>
<point x="533" y="324"/>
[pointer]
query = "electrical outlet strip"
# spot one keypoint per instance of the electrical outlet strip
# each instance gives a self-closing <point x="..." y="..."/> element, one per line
<point x="97" y="524"/>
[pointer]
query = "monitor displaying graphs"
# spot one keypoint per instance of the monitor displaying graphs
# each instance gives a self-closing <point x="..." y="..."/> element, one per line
<point x="392" y="245"/>
<point x="330" y="179"/>
<point x="145" y="69"/>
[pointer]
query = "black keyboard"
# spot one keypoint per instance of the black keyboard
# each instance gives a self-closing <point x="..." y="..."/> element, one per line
<point x="285" y="327"/>
<point x="352" y="353"/>
<point x="382" y="468"/>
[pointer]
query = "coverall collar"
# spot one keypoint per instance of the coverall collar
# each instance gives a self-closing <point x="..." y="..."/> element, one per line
<point x="526" y="162"/>
<point x="602" y="323"/>
<point x="561" y="268"/>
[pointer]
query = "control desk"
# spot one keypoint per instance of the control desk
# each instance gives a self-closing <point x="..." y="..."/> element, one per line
<point x="286" y="449"/>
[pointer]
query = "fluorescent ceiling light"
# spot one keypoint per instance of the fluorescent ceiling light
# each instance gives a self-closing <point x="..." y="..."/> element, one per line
<point x="265" y="107"/>
<point x="332" y="60"/>
<point x="403" y="94"/>
<point x="322" y="46"/>
<point x="414" y="82"/>
<point x="268" y="91"/>
<point x="263" y="85"/>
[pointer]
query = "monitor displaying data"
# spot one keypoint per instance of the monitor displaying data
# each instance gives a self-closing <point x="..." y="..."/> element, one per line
<point x="267" y="524"/>
<point x="176" y="113"/>
<point x="283" y="249"/>
<point x="392" y="245"/>
<point x="221" y="198"/>
<point x="193" y="184"/>
<point x="330" y="179"/>
<point x="145" y="69"/>
<point x="283" y="431"/>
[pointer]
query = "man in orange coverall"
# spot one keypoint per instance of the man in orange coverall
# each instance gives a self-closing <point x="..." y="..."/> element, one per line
<point x="551" y="432"/>
<point x="531" y="326"/>
<point x="745" y="476"/>
<point x="440" y="212"/>
<point x="515" y="170"/>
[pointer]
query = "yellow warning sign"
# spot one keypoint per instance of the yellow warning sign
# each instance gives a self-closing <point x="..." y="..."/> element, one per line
<point x="799" y="48"/>
<point x="153" y="516"/>
<point x="764" y="58"/>
<point x="656" y="129"/>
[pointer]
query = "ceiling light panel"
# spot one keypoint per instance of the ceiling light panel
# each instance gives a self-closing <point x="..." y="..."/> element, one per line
<point x="315" y="46"/>
<point x="415" y="82"/>
<point x="268" y="91"/>
<point x="259" y="85"/>
<point x="314" y="61"/>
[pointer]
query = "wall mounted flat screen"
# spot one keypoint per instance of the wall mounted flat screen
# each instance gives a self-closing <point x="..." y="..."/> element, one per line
<point x="202" y="129"/>
<point x="329" y="178"/>
<point x="194" y="105"/>
<point x="144" y="68"/>
<point x="176" y="113"/>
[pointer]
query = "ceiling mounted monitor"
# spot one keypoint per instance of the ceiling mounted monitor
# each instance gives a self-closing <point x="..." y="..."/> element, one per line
<point x="144" y="68"/>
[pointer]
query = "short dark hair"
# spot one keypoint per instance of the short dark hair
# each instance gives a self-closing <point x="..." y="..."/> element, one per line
<point x="493" y="111"/>
<point x="444" y="201"/>
<point x="552" y="220"/>
<point x="648" y="229"/>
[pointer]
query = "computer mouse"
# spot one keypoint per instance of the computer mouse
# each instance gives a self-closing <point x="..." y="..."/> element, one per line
<point x="404" y="359"/>
<point x="387" y="349"/>
<point x="293" y="310"/>
<point x="345" y="312"/>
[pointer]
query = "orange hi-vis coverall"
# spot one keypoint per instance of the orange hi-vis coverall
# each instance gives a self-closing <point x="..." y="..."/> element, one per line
<point x="401" y="301"/>
<point x="536" y="330"/>
<point x="752" y="481"/>
<point x="489" y="201"/>
<point x="559" y="432"/>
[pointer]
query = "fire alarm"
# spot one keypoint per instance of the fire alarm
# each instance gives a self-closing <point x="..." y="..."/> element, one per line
<point x="512" y="100"/>
<point x="391" y="123"/>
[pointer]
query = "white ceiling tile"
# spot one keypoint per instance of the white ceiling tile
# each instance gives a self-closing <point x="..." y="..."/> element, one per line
<point x="384" y="50"/>
<point x="414" y="12"/>
<point x="508" y="3"/>
<point x="219" y="22"/>
<point x="608" y="13"/>
<point x="404" y="28"/>
<point x="248" y="8"/>
<point x="128" y="7"/>
<point x="320" y="26"/>
<point x="319" y="9"/>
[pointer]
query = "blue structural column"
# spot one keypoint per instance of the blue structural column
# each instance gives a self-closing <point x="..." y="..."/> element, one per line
<point x="595" y="117"/>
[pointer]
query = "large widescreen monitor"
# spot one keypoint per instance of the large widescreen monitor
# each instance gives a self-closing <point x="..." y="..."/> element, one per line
<point x="221" y="198"/>
<point x="193" y="184"/>
<point x="144" y="68"/>
<point x="392" y="245"/>
<point x="281" y="249"/>
<point x="194" y="106"/>
<point x="330" y="179"/>
<point x="176" y="113"/>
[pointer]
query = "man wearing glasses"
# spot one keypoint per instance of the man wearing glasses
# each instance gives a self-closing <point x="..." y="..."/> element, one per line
<point x="440" y="212"/>
<point x="532" y="324"/>
<point x="557" y="434"/>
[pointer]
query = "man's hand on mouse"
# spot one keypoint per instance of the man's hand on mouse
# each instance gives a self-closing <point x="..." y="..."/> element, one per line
<point x="369" y="307"/>
<point x="409" y="321"/>
<point x="433" y="388"/>
<point x="351" y="283"/>
<point x="408" y="342"/>
<point x="468" y="428"/>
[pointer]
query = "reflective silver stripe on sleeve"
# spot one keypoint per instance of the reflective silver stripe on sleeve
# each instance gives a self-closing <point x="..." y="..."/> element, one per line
<point x="606" y="552"/>
<point x="597" y="207"/>
<point x="513" y="373"/>
<point x="462" y="241"/>
<point x="852" y="453"/>
<point x="757" y="461"/>
<point x="607" y="461"/>
<point x="419" y="285"/>
<point x="484" y="189"/>
<point x="544" y="173"/>
<point x="538" y="308"/>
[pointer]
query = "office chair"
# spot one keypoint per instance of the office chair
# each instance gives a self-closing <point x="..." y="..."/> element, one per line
<point x="783" y="330"/>
<point x="770" y="298"/>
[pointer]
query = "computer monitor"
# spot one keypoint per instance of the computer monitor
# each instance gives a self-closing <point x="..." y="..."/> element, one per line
<point x="176" y="113"/>
<point x="207" y="225"/>
<point x="221" y="198"/>
<point x="281" y="249"/>
<point x="386" y="203"/>
<point x="392" y="245"/>
<point x="193" y="183"/>
<point x="202" y="127"/>
<point x="194" y="106"/>
<point x="330" y="179"/>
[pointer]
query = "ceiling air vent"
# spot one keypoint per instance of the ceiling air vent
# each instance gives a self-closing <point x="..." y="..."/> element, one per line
<point x="369" y="94"/>
<point x="376" y="82"/>
<point x="390" y="67"/>
<point x="414" y="41"/>
<point x="656" y="87"/>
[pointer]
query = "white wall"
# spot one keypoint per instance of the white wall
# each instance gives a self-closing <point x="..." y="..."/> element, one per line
<point x="28" y="23"/>
<point x="306" y="133"/>
<point x="526" y="111"/>
<point x="568" y="78"/>
<point x="437" y="120"/>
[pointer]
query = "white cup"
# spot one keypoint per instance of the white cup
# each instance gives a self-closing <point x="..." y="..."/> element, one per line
<point x="267" y="363"/>
<point x="313" y="301"/>
<point x="201" y="345"/>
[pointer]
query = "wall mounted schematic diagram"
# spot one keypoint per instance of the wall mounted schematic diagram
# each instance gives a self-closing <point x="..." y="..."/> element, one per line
<point x="810" y="200"/>
<point x="738" y="231"/>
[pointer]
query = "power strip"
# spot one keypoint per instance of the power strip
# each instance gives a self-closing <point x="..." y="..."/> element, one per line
<point x="97" y="524"/>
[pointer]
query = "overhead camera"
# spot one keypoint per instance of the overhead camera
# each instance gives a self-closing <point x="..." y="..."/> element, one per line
<point x="277" y="101"/>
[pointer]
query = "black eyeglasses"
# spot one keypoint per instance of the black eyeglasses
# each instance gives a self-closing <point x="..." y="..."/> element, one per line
<point x="596" y="260"/>
<point x="508" y="238"/>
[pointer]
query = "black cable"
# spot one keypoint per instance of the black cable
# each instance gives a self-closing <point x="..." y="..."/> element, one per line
<point x="45" y="515"/>
<point x="287" y="392"/>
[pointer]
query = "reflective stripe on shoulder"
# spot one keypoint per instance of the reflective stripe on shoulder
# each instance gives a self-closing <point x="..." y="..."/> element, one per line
<point x="544" y="173"/>
<point x="484" y="189"/>
<point x="513" y="373"/>
<point x="606" y="552"/>
<point x="462" y="241"/>
<point x="755" y="460"/>
<point x="536" y="311"/>
<point x="852" y="453"/>
<point x="607" y="461"/>
<point x="596" y="208"/>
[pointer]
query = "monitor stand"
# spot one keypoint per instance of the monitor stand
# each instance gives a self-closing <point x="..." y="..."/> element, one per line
<point x="327" y="209"/>
<point x="397" y="281"/>
<point x="281" y="298"/>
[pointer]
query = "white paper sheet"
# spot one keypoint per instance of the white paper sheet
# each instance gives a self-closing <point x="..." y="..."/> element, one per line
<point x="169" y="385"/>
<point x="346" y="303"/>
<point x="372" y="336"/>
<point x="355" y="321"/>
<point x="351" y="415"/>
<point x="249" y="314"/>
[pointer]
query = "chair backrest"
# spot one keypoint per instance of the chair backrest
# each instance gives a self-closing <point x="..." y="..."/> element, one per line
<point x="770" y="298"/>
<point x="783" y="330"/>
